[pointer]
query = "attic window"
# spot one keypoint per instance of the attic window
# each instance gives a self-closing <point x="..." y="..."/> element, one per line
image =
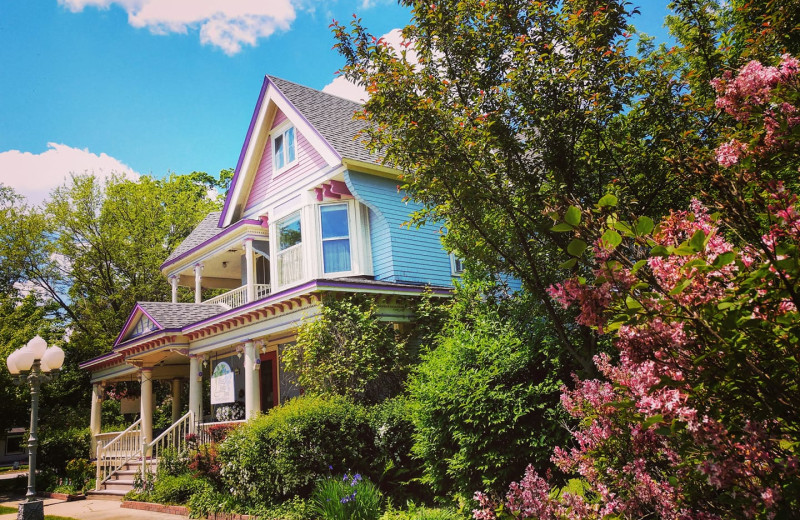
<point x="283" y="148"/>
<point x="144" y="326"/>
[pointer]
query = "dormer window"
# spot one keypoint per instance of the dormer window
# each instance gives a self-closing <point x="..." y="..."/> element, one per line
<point x="283" y="148"/>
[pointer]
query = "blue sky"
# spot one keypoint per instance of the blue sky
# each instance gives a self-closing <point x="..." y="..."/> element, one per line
<point x="153" y="86"/>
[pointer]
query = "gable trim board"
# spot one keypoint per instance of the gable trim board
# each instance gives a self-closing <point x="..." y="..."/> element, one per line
<point x="242" y="177"/>
<point x="222" y="234"/>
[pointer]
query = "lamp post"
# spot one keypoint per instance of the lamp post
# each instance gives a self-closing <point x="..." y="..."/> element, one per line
<point x="36" y="364"/>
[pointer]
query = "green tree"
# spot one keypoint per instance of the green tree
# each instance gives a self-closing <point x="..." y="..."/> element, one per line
<point x="347" y="350"/>
<point x="498" y="111"/>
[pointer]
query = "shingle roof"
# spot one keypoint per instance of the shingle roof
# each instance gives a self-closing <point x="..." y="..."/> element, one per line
<point x="176" y="315"/>
<point x="207" y="228"/>
<point x="332" y="116"/>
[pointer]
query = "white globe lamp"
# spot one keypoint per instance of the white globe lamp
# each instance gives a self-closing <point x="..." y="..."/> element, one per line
<point x="37" y="347"/>
<point x="53" y="359"/>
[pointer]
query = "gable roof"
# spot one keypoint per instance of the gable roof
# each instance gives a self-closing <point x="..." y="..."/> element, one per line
<point x="207" y="229"/>
<point x="329" y="118"/>
<point x="170" y="315"/>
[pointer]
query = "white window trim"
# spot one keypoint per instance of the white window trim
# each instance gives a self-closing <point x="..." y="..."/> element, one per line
<point x="454" y="270"/>
<point x="276" y="132"/>
<point x="355" y="244"/>
<point x="276" y="251"/>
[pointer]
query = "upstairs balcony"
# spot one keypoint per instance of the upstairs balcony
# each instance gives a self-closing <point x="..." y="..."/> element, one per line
<point x="238" y="297"/>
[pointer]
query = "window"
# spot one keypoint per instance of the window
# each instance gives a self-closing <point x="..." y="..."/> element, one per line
<point x="290" y="250"/>
<point x="456" y="264"/>
<point x="283" y="148"/>
<point x="335" y="238"/>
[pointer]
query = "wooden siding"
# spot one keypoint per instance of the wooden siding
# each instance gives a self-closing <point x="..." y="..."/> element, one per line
<point x="399" y="254"/>
<point x="308" y="162"/>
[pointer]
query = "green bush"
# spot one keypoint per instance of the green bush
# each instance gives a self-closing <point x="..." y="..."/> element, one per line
<point x="282" y="454"/>
<point x="398" y="472"/>
<point x="209" y="500"/>
<point x="172" y="462"/>
<point x="346" y="498"/>
<point x="176" y="489"/>
<point x="347" y="350"/>
<point x="59" y="446"/>
<point x="422" y="513"/>
<point x="486" y="400"/>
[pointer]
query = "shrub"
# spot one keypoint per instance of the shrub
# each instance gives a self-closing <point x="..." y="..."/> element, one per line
<point x="282" y="454"/>
<point x="172" y="462"/>
<point x="485" y="400"/>
<point x="349" y="351"/>
<point x="80" y="474"/>
<point x="346" y="498"/>
<point x="177" y="489"/>
<point x="422" y="513"/>
<point x="58" y="447"/>
<point x="398" y="473"/>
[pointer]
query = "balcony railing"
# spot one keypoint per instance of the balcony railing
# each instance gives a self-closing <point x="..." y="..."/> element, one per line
<point x="238" y="297"/>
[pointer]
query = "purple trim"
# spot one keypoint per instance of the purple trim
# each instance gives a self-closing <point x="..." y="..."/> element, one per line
<point x="201" y="245"/>
<point x="98" y="359"/>
<point x="244" y="150"/>
<point x="436" y="290"/>
<point x="267" y="82"/>
<point x="318" y="191"/>
<point x="326" y="191"/>
<point x="264" y="221"/>
<point x="151" y="318"/>
<point x="130" y="318"/>
<point x="145" y="336"/>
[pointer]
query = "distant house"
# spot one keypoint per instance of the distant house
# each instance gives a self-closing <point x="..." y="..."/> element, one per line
<point x="13" y="446"/>
<point x="309" y="212"/>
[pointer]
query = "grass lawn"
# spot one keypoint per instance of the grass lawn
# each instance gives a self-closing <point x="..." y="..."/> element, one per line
<point x="3" y="471"/>
<point x="4" y="510"/>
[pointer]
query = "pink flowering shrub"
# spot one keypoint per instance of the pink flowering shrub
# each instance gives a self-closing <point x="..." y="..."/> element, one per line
<point x="697" y="413"/>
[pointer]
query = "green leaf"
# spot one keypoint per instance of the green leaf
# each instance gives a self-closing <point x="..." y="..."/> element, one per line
<point x="650" y="421"/>
<point x="569" y="264"/>
<point x="560" y="228"/>
<point x="576" y="247"/>
<point x="632" y="303"/>
<point x="684" y="250"/>
<point x="623" y="227"/>
<point x="680" y="287"/>
<point x="644" y="225"/>
<point x="697" y="242"/>
<point x="612" y="238"/>
<point x="638" y="265"/>
<point x="659" y="251"/>
<point x="607" y="200"/>
<point x="572" y="216"/>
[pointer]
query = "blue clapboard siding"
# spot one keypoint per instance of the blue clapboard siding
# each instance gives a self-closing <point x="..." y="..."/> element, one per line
<point x="399" y="254"/>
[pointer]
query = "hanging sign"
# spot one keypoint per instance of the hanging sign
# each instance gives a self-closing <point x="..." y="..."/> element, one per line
<point x="222" y="387"/>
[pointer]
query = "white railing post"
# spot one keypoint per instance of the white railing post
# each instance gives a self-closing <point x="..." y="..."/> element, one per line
<point x="99" y="469"/>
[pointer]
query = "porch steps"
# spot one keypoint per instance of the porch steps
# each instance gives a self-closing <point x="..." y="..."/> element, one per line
<point x="121" y="482"/>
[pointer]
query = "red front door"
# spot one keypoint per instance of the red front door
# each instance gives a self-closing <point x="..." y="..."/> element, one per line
<point x="269" y="381"/>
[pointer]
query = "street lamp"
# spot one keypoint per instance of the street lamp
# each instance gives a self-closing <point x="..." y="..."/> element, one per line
<point x="36" y="364"/>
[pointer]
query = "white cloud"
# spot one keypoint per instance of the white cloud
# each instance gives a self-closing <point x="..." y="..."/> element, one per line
<point x="35" y="175"/>
<point x="341" y="87"/>
<point x="227" y="24"/>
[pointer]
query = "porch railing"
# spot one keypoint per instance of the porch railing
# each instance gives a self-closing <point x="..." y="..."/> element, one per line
<point x="173" y="438"/>
<point x="238" y="297"/>
<point x="117" y="452"/>
<point x="204" y="430"/>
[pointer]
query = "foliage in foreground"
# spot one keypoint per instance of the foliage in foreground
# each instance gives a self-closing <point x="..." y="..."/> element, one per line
<point x="346" y="498"/>
<point x="697" y="416"/>
<point x="485" y="400"/>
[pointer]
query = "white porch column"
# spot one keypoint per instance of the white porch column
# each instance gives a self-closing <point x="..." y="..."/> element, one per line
<point x="196" y="387"/>
<point x="174" y="281"/>
<point x="146" y="378"/>
<point x="176" y="400"/>
<point x="198" y="280"/>
<point x="250" y="260"/>
<point x="252" y="393"/>
<point x="94" y="418"/>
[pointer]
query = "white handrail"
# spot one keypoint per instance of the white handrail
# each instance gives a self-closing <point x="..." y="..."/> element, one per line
<point x="238" y="297"/>
<point x="172" y="437"/>
<point x="116" y="453"/>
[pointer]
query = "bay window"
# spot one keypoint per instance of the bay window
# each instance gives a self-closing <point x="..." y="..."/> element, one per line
<point x="335" y="227"/>
<point x="290" y="250"/>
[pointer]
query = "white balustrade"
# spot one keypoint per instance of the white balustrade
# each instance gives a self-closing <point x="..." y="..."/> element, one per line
<point x="117" y="452"/>
<point x="238" y="297"/>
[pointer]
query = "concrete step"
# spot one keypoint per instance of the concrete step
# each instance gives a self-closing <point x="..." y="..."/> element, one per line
<point x="105" y="494"/>
<point x="119" y="484"/>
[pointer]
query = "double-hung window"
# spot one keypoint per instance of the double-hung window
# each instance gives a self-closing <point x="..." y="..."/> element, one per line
<point x="283" y="148"/>
<point x="335" y="226"/>
<point x="290" y="250"/>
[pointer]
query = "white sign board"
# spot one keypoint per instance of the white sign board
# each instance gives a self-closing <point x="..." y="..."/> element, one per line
<point x="222" y="387"/>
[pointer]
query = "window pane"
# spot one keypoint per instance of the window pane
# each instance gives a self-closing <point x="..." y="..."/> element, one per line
<point x="279" y="152"/>
<point x="336" y="255"/>
<point x="289" y="145"/>
<point x="334" y="221"/>
<point x="289" y="232"/>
